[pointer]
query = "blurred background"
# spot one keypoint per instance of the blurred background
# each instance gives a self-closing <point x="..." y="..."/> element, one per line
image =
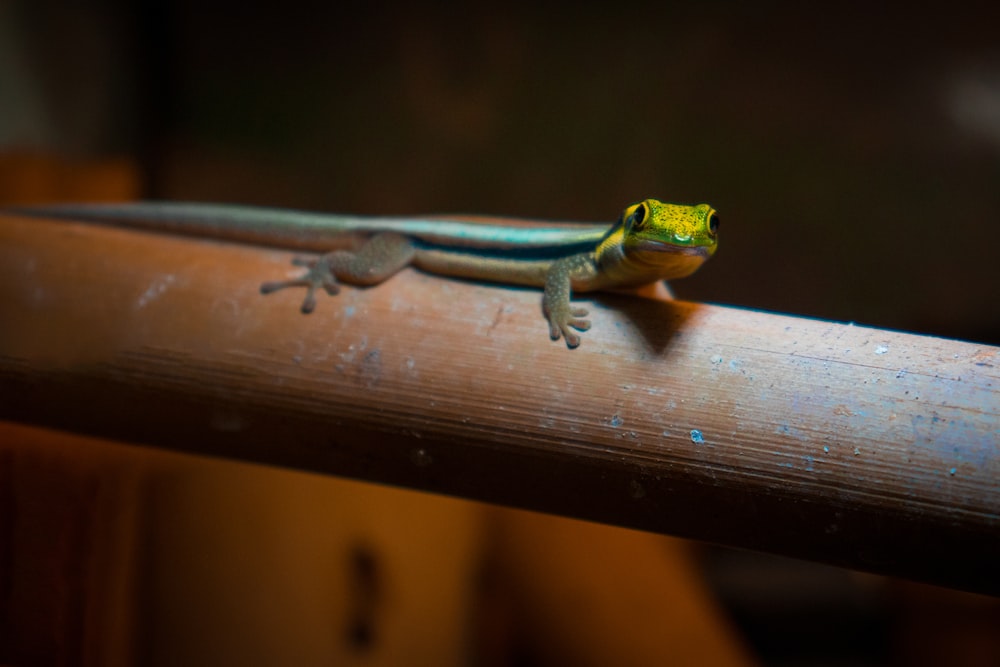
<point x="852" y="150"/>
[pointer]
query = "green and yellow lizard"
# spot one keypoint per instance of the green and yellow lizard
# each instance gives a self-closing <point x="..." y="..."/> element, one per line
<point x="651" y="241"/>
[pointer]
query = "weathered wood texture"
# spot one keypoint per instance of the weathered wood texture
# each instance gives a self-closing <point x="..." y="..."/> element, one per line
<point x="871" y="449"/>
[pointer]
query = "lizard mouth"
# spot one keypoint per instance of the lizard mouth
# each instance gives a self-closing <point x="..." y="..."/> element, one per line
<point x="670" y="261"/>
<point x="661" y="247"/>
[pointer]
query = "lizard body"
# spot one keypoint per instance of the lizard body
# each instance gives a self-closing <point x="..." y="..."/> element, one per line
<point x="651" y="241"/>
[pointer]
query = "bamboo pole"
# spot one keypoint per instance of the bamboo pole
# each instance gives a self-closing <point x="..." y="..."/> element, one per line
<point x="870" y="449"/>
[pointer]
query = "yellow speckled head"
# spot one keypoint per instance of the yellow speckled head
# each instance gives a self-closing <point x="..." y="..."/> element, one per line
<point x="674" y="224"/>
<point x="654" y="238"/>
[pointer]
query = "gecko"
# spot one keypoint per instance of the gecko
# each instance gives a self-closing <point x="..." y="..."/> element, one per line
<point x="651" y="241"/>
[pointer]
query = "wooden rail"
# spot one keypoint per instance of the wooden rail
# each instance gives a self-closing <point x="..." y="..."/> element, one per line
<point x="870" y="449"/>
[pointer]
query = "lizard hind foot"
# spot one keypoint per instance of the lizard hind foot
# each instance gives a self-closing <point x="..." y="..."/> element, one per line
<point x="317" y="275"/>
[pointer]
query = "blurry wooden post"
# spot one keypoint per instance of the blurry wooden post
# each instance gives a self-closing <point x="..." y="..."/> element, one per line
<point x="865" y="448"/>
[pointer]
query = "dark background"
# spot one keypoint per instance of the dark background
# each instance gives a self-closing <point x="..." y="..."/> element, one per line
<point x="852" y="150"/>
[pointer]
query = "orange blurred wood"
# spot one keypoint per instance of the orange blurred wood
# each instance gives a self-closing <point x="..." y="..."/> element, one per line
<point x="866" y="448"/>
<point x="28" y="177"/>
<point x="70" y="514"/>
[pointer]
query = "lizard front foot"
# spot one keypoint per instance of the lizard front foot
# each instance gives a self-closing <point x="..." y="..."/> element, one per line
<point x="563" y="317"/>
<point x="562" y="321"/>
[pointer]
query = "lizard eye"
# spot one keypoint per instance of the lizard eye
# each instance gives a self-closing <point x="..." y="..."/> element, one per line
<point x="713" y="224"/>
<point x="639" y="215"/>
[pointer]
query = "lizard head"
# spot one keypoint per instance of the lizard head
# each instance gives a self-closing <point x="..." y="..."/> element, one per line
<point x="672" y="240"/>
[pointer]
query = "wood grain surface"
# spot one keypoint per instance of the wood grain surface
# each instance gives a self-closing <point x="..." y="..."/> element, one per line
<point x="871" y="449"/>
